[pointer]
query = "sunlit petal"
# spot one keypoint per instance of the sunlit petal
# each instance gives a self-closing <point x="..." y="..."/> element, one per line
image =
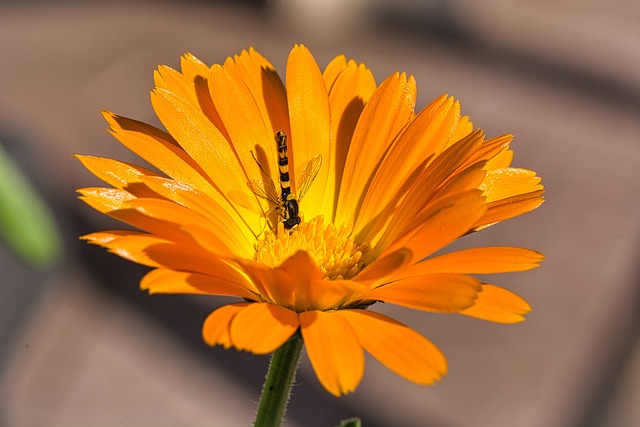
<point x="385" y="115"/>
<point x="261" y="328"/>
<point x="113" y="172"/>
<point x="334" y="351"/>
<point x="488" y="260"/>
<point x="197" y="73"/>
<point x="398" y="347"/>
<point x="237" y="107"/>
<point x="441" y="292"/>
<point x="265" y="86"/>
<point x="350" y="91"/>
<point x="437" y="179"/>
<point x="510" y="207"/>
<point x="499" y="305"/>
<point x="439" y="224"/>
<point x="427" y="135"/>
<point x="159" y="149"/>
<point x="310" y="121"/>
<point x="166" y="281"/>
<point x="237" y="237"/>
<point x="504" y="183"/>
<point x="385" y="266"/>
<point x="333" y="69"/>
<point x="216" y="327"/>
<point x="187" y="222"/>
<point x="131" y="245"/>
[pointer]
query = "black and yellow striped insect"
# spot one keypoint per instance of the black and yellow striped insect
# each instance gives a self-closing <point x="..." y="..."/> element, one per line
<point x="287" y="204"/>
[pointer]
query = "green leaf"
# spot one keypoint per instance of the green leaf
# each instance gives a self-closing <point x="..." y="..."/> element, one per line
<point x="26" y="224"/>
<point x="351" y="422"/>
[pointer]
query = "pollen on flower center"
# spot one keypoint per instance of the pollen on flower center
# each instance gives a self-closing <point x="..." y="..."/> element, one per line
<point x="333" y="251"/>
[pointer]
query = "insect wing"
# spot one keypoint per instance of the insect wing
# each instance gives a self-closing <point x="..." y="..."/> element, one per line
<point x="308" y="174"/>
<point x="265" y="190"/>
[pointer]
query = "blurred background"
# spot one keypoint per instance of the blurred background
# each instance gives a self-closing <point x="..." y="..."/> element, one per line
<point x="80" y="345"/>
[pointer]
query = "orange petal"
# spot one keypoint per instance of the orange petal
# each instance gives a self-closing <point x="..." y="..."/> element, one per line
<point x="334" y="351"/>
<point x="351" y="90"/>
<point x="163" y="152"/>
<point x="198" y="137"/>
<point x="496" y="304"/>
<point x="265" y="86"/>
<point x="166" y="281"/>
<point x="197" y="72"/>
<point x="155" y="251"/>
<point x="215" y="330"/>
<point x="113" y="172"/>
<point x="190" y="257"/>
<point x="105" y="200"/>
<point x="489" y="149"/>
<point x="442" y="293"/>
<point x="335" y="294"/>
<point x="438" y="176"/>
<point x="273" y="285"/>
<point x="159" y="149"/>
<point x="385" y="266"/>
<point x="398" y="347"/>
<point x="447" y="165"/>
<point x="302" y="273"/>
<point x="487" y="260"/>
<point x="186" y="221"/>
<point x="427" y="135"/>
<point x="180" y="256"/>
<point x="306" y="288"/>
<point x="205" y="144"/>
<point x="238" y="237"/>
<point x="130" y="245"/>
<point x="510" y="192"/>
<point x="509" y="208"/>
<point x="333" y="69"/>
<point x="466" y="179"/>
<point x="193" y="68"/>
<point x="118" y="204"/>
<point x="298" y="284"/>
<point x="464" y="128"/>
<point x="387" y="112"/>
<point x="237" y="107"/>
<point x="439" y="224"/>
<point x="262" y="328"/>
<point x="504" y="183"/>
<point x="104" y="237"/>
<point x="501" y="160"/>
<point x="168" y="78"/>
<point x="309" y="113"/>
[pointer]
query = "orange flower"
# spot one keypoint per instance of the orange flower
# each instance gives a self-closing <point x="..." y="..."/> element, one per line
<point x="347" y="211"/>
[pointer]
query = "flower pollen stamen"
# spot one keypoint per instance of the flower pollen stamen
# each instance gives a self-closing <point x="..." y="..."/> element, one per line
<point x="333" y="251"/>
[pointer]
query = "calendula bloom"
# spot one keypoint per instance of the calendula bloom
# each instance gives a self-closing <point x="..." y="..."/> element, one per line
<point x="310" y="203"/>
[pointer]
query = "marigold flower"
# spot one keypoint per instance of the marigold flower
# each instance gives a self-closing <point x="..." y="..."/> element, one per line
<point x="366" y="190"/>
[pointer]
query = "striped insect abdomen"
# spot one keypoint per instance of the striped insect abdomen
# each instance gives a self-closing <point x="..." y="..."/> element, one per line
<point x="289" y="202"/>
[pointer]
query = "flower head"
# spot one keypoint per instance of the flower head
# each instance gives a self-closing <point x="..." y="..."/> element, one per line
<point x="312" y="202"/>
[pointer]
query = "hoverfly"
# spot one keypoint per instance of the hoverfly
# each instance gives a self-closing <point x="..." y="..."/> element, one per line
<point x="286" y="204"/>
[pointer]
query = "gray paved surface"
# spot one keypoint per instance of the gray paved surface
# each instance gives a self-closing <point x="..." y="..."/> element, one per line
<point x="80" y="346"/>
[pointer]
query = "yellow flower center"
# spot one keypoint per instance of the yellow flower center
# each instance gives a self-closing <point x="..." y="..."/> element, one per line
<point x="333" y="251"/>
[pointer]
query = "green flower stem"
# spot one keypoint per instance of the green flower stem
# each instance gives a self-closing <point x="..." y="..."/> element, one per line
<point x="277" y="386"/>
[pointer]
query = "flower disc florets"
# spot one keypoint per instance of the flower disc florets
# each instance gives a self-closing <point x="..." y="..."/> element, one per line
<point x="332" y="249"/>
